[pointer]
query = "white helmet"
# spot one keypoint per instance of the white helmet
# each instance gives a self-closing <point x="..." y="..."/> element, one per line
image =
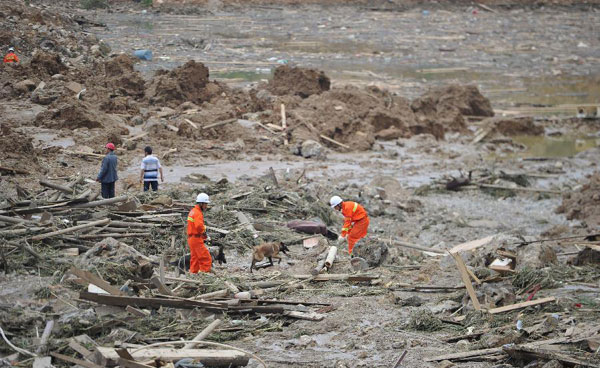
<point x="334" y="201"/>
<point x="202" y="198"/>
<point x="11" y="49"/>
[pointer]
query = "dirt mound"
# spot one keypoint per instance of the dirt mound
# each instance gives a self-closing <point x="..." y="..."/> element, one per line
<point x="298" y="82"/>
<point x="71" y="114"/>
<point x="442" y="109"/>
<point x="16" y="149"/>
<point x="188" y="82"/>
<point x="122" y="78"/>
<point x="516" y="126"/>
<point x="584" y="204"/>
<point x="47" y="63"/>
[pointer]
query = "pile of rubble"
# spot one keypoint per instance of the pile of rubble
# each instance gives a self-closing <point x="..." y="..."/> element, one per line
<point x="583" y="203"/>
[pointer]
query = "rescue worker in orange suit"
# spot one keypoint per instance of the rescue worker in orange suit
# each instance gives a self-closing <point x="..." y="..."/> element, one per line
<point x="356" y="221"/>
<point x="200" y="259"/>
<point x="11" y="57"/>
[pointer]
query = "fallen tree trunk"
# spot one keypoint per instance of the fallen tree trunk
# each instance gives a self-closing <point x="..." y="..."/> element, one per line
<point x="101" y="202"/>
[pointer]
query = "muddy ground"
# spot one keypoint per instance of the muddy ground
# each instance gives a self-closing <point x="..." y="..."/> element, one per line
<point x="529" y="62"/>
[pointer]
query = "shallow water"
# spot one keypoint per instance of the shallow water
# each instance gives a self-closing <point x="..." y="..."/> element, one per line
<point x="563" y="146"/>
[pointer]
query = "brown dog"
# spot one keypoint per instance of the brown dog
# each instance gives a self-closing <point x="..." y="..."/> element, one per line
<point x="269" y="250"/>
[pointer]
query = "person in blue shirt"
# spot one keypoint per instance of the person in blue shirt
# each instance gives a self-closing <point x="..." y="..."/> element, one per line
<point x="108" y="172"/>
<point x="150" y="169"/>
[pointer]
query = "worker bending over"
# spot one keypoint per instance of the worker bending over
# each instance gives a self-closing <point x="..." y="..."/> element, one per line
<point x="356" y="221"/>
<point x="200" y="259"/>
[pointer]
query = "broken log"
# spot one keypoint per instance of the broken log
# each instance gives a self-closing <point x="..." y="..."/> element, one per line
<point x="317" y="270"/>
<point x="70" y="229"/>
<point x="13" y="171"/>
<point x="330" y="256"/>
<point x="204" y="333"/>
<point x="208" y="357"/>
<point x="62" y="188"/>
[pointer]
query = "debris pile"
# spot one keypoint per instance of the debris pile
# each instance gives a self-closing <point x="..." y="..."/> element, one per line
<point x="583" y="204"/>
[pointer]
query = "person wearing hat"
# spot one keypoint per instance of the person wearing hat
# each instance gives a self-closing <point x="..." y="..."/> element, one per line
<point x="356" y="221"/>
<point x="11" y="57"/>
<point x="108" y="172"/>
<point x="200" y="259"/>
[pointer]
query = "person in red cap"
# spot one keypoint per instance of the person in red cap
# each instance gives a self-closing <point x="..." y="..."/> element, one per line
<point x="108" y="172"/>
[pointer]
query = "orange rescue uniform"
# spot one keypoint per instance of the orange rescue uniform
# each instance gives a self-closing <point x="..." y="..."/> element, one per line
<point x="356" y="223"/>
<point x="200" y="260"/>
<point x="11" y="57"/>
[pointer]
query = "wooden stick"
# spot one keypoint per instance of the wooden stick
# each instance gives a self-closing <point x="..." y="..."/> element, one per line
<point x="336" y="277"/>
<point x="191" y="123"/>
<point x="204" y="333"/>
<point x="137" y="312"/>
<point x="530" y="303"/>
<point x="334" y="141"/>
<point x="62" y="188"/>
<point x="234" y="289"/>
<point x="70" y="229"/>
<point x="13" y="220"/>
<point x="45" y="336"/>
<point x="317" y="270"/>
<point x="284" y="125"/>
<point x="13" y="170"/>
<point x="85" y="353"/>
<point x="410" y="245"/>
<point x="213" y="295"/>
<point x="114" y="235"/>
<point x="214" y="125"/>
<point x="400" y="359"/>
<point x="80" y="362"/>
<point x="466" y="280"/>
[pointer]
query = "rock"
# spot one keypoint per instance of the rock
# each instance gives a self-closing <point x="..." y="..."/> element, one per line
<point x="514" y="126"/>
<point x="586" y="256"/>
<point x="137" y="120"/>
<point x="445" y="364"/>
<point x="553" y="364"/>
<point x="310" y="148"/>
<point x="24" y="86"/>
<point x="535" y="255"/>
<point x="445" y="306"/>
<point x="74" y="87"/>
<point x="358" y="264"/>
<point x="389" y="134"/>
<point x="412" y="301"/>
<point x="42" y="362"/>
<point x="373" y="252"/>
<point x="130" y="145"/>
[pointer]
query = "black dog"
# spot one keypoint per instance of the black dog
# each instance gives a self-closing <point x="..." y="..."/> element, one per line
<point x="216" y="253"/>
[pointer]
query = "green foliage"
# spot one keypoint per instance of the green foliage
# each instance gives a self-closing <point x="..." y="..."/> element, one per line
<point x="147" y="2"/>
<point x="94" y="4"/>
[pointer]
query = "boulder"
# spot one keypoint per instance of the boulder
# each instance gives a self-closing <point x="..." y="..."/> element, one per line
<point x="310" y="148"/>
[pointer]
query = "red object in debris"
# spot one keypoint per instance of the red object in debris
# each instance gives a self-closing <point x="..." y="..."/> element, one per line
<point x="578" y="305"/>
<point x="533" y="291"/>
<point x="475" y="12"/>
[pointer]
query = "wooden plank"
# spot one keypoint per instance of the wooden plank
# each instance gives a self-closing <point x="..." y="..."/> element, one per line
<point x="465" y="354"/>
<point x="530" y="303"/>
<point x="470" y="245"/>
<point x="124" y="301"/>
<point x="466" y="280"/>
<point x="137" y="312"/>
<point x="85" y="353"/>
<point x="93" y="279"/>
<point x="80" y="362"/>
<point x="209" y="357"/>
<point x="284" y="125"/>
<point x="472" y="275"/>
<point x="162" y="288"/>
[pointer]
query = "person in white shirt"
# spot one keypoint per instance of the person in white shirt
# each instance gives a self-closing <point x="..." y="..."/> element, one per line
<point x="150" y="169"/>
